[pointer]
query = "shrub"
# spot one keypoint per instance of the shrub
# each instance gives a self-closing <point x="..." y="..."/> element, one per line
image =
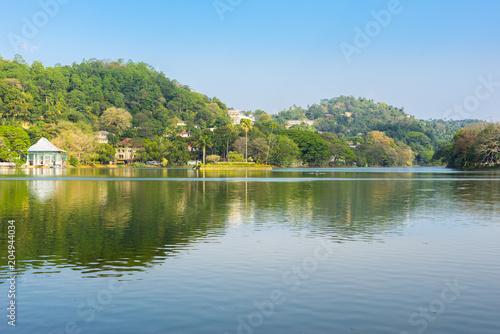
<point x="213" y="158"/>
<point x="73" y="161"/>
<point x="235" y="157"/>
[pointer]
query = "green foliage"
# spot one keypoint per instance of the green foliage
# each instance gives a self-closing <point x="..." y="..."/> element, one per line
<point x="340" y="152"/>
<point x="346" y="116"/>
<point x="115" y="119"/>
<point x="14" y="144"/>
<point x="213" y="158"/>
<point x="202" y="141"/>
<point x="75" y="138"/>
<point x="476" y="146"/>
<point x="83" y="92"/>
<point x="113" y="140"/>
<point x="134" y="100"/>
<point x="258" y="149"/>
<point x="73" y="161"/>
<point x="179" y="153"/>
<point x="314" y="150"/>
<point x="156" y="149"/>
<point x="381" y="150"/>
<point x="285" y="152"/>
<point x="106" y="153"/>
<point x="236" y="163"/>
<point x="235" y="157"/>
<point x="421" y="145"/>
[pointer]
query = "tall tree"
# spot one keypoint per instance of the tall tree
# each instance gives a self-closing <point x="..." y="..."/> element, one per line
<point x="246" y="125"/>
<point x="203" y="141"/>
<point x="116" y="119"/>
<point x="314" y="149"/>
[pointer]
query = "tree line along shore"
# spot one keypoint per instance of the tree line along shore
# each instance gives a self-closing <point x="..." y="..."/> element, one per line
<point x="98" y="109"/>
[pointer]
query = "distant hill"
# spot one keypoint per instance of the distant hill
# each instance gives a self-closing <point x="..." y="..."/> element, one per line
<point x="347" y="117"/>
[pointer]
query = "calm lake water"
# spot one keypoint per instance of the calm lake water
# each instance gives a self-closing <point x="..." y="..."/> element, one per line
<point x="367" y="250"/>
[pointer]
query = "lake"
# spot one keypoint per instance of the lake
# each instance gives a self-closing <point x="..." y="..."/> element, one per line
<point x="363" y="250"/>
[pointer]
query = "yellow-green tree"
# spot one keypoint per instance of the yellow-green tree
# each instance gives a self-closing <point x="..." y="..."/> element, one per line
<point x="75" y="138"/>
<point x="116" y="119"/>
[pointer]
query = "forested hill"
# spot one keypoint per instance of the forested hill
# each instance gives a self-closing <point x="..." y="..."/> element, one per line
<point x="347" y="117"/>
<point x="81" y="92"/>
<point x="69" y="104"/>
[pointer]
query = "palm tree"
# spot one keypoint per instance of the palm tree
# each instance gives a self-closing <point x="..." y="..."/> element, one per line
<point x="246" y="125"/>
<point x="204" y="141"/>
<point x="273" y="126"/>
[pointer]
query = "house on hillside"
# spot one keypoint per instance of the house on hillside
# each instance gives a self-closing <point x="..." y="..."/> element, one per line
<point x="181" y="123"/>
<point x="102" y="137"/>
<point x="126" y="153"/>
<point x="183" y="134"/>
<point x="237" y="115"/>
<point x="289" y="124"/>
<point x="44" y="153"/>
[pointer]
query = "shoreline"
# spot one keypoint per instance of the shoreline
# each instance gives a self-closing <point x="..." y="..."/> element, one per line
<point x="220" y="168"/>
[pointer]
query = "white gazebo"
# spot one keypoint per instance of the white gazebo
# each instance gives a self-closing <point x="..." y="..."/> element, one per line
<point x="44" y="153"/>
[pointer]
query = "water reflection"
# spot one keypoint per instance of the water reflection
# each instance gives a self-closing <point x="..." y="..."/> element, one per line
<point x="104" y="227"/>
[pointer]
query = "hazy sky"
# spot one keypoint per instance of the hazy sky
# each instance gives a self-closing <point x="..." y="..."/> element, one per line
<point x="434" y="58"/>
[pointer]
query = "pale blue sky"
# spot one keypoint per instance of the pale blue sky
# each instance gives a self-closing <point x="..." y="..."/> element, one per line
<point x="270" y="54"/>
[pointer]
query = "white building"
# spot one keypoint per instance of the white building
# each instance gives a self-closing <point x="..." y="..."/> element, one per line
<point x="102" y="137"/>
<point x="237" y="115"/>
<point x="127" y="152"/>
<point x="184" y="134"/>
<point x="289" y="124"/>
<point x="44" y="153"/>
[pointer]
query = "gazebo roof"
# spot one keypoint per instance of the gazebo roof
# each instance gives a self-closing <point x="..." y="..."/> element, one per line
<point x="44" y="145"/>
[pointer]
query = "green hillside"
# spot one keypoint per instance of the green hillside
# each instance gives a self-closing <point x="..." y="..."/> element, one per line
<point x="69" y="104"/>
<point x="82" y="92"/>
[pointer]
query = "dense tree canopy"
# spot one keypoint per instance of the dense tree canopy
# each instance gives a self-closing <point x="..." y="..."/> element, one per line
<point x="14" y="143"/>
<point x="83" y="92"/>
<point x="69" y="104"/>
<point x="314" y="150"/>
<point x="475" y="146"/>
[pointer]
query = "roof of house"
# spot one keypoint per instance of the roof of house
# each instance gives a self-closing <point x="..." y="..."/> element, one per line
<point x="44" y="145"/>
<point x="125" y="141"/>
